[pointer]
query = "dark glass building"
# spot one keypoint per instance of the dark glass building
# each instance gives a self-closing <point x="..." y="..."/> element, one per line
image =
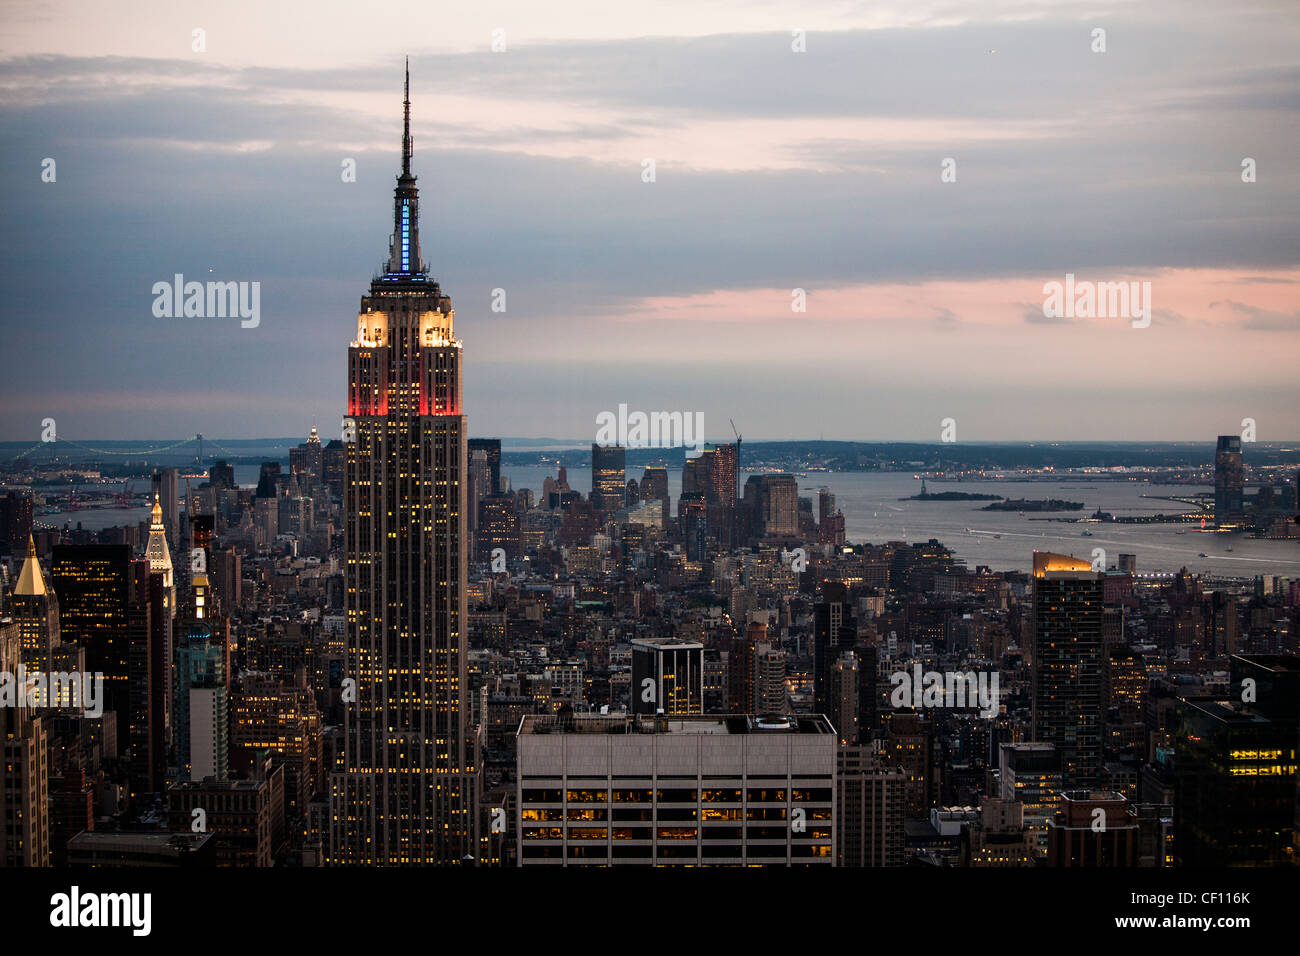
<point x="492" y="448"/>
<point x="1234" y="785"/>
<point x="93" y="584"/>
<point x="1067" y="664"/>
<point x="1229" y="503"/>
<point x="608" y="477"/>
<point x="835" y="629"/>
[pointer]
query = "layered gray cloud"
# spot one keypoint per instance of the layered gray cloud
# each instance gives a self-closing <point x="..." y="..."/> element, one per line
<point x="1067" y="161"/>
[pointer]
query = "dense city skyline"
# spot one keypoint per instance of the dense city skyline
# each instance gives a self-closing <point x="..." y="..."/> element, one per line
<point x="401" y="640"/>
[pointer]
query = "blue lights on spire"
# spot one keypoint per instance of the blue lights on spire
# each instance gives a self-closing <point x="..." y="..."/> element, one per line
<point x="406" y="235"/>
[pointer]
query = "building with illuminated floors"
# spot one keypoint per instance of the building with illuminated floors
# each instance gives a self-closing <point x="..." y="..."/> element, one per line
<point x="403" y="792"/>
<point x="732" y="790"/>
<point x="1067" y="663"/>
<point x="35" y="611"/>
<point x="1235" y="766"/>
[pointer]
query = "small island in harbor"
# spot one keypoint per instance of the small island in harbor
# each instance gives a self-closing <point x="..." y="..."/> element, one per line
<point x="1026" y="504"/>
<point x="950" y="496"/>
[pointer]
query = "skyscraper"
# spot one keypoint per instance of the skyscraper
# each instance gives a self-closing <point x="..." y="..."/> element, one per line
<point x="404" y="792"/>
<point x="306" y="459"/>
<point x="160" y="562"/>
<point x="721" y="489"/>
<point x="835" y="629"/>
<point x="654" y="484"/>
<point x="608" y="477"/>
<point x="870" y="809"/>
<point x="1235" y="786"/>
<point x="491" y="447"/>
<point x="1228" y="481"/>
<point x="1067" y="663"/>
<point x="742" y="669"/>
<point x="830" y="520"/>
<point x="24" y="770"/>
<point x="773" y="501"/>
<point x="201" y="727"/>
<point x="1236" y="758"/>
<point x="93" y="585"/>
<point x="166" y="488"/>
<point x="478" y="487"/>
<point x="36" y="612"/>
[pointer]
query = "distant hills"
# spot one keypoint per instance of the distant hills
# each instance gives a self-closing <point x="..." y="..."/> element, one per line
<point x="790" y="455"/>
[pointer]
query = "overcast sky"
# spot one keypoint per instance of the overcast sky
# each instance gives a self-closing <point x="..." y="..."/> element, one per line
<point x="775" y="170"/>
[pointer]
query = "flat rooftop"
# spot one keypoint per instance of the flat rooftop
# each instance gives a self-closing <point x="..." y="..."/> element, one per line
<point x="1228" y="711"/>
<point x="146" y="842"/>
<point x="667" y="643"/>
<point x="679" y="724"/>
<point x="1274" y="662"/>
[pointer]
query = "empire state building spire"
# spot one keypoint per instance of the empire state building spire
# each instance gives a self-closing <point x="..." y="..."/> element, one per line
<point x="404" y="251"/>
<point x="406" y="122"/>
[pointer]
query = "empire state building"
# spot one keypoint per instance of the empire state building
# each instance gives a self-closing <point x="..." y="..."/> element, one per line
<point x="403" y="791"/>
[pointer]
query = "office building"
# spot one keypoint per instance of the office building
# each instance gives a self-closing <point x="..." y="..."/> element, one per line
<point x="676" y="791"/>
<point x="1234" y="785"/>
<point x="654" y="486"/>
<point x="406" y="792"/>
<point x="835" y="629"/>
<point x="772" y="502"/>
<point x="167" y="491"/>
<point x="842" y="696"/>
<point x="1030" y="774"/>
<point x="667" y="676"/>
<point x="222" y="475"/>
<point x="24" y="769"/>
<point x="1095" y="829"/>
<point x="1067" y="663"/>
<point x="498" y="527"/>
<point x="200" y="722"/>
<point x="608" y="477"/>
<point x="1229" y="486"/>
<point x="830" y="520"/>
<point x="159" y="557"/>
<point x="94" y="591"/>
<point x="491" y="449"/>
<point x="35" y="610"/>
<point x="869" y="809"/>
<point x="15" y="520"/>
<point x="306" y="461"/>
<point x="239" y="814"/>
